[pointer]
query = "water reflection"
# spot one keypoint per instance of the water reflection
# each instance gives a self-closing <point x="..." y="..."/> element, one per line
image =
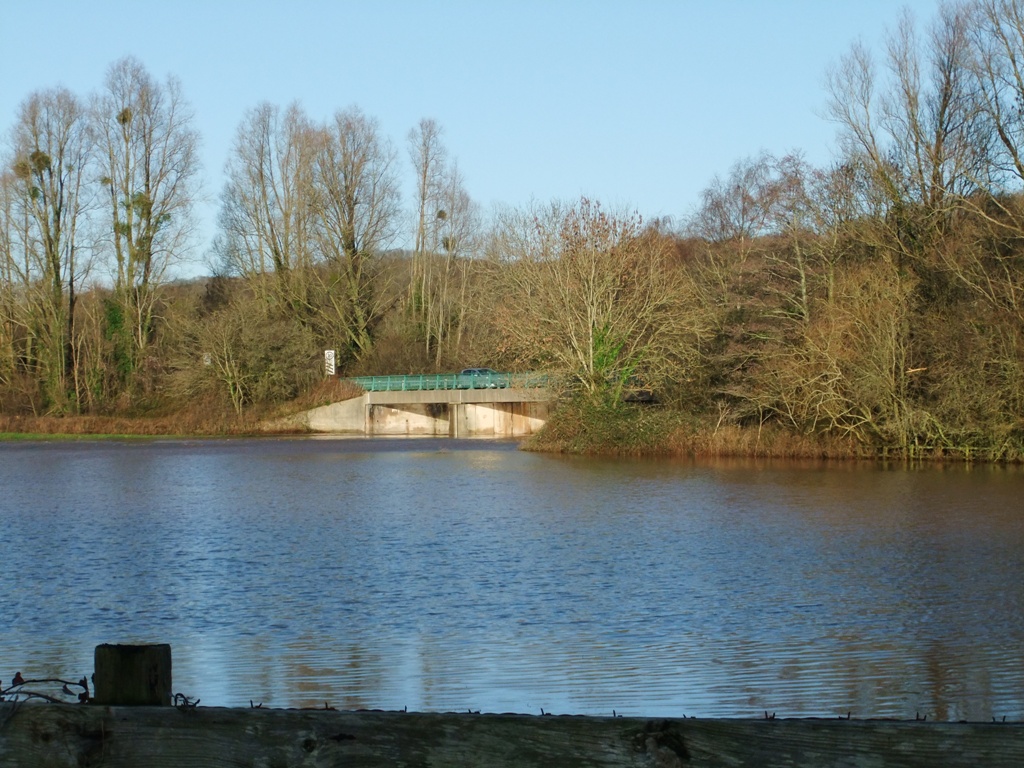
<point x="435" y="574"/>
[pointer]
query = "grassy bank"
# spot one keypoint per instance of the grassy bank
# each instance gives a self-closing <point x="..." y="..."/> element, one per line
<point x="92" y="427"/>
<point x="594" y="426"/>
<point x="632" y="430"/>
<point x="584" y="426"/>
<point x="195" y="419"/>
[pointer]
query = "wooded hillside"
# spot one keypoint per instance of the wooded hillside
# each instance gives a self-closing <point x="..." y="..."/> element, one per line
<point x="877" y="301"/>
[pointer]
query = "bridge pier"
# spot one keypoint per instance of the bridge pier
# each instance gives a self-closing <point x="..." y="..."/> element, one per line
<point x="438" y="413"/>
<point x="511" y="419"/>
<point x="410" y="420"/>
<point x="456" y="420"/>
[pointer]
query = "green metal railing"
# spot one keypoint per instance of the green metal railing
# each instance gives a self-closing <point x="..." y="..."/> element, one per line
<point x="450" y="381"/>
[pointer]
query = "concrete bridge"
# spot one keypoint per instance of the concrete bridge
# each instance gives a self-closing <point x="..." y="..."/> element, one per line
<point x="487" y="404"/>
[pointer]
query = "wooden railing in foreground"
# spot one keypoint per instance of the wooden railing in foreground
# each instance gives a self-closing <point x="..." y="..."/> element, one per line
<point x="65" y="735"/>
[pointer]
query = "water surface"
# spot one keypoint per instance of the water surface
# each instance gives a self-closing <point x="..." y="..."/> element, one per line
<point x="446" y="575"/>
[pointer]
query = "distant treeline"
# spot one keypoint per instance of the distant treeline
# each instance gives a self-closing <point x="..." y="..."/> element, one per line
<point x="877" y="302"/>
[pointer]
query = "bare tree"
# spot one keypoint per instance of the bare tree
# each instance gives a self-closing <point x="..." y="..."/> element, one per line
<point x="849" y="372"/>
<point x="453" y="239"/>
<point x="461" y="239"/>
<point x="844" y="208"/>
<point x="359" y="199"/>
<point x="149" y="168"/>
<point x="51" y="152"/>
<point x="918" y="133"/>
<point x="429" y="158"/>
<point x="11" y="282"/>
<point x="590" y="293"/>
<point x="740" y="207"/>
<point x="934" y="120"/>
<point x="816" y="215"/>
<point x="269" y="204"/>
<point x="997" y="33"/>
<point x="735" y="217"/>
<point x="447" y="236"/>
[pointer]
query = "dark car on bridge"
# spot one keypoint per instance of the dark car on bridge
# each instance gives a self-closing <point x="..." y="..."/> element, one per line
<point x="482" y="378"/>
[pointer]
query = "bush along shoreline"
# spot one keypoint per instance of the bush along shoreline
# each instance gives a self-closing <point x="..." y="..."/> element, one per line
<point x="598" y="427"/>
<point x="586" y="425"/>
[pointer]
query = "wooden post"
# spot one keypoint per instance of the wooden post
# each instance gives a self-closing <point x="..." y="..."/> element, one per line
<point x="133" y="675"/>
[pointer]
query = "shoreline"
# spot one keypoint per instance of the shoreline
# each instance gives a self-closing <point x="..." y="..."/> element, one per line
<point x="626" y="433"/>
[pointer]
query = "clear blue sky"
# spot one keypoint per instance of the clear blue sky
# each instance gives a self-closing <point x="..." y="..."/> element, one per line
<point x="633" y="103"/>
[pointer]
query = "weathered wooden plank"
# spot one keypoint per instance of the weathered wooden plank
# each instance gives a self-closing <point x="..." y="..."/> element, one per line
<point x="60" y="736"/>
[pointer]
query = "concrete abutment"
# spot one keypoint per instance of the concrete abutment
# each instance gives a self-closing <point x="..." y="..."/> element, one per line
<point x="456" y="413"/>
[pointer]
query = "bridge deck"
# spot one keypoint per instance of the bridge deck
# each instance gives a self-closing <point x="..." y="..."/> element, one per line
<point x="502" y="395"/>
<point x="433" y="382"/>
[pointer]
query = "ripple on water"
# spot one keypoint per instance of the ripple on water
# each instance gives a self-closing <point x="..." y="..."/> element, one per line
<point x="440" y="575"/>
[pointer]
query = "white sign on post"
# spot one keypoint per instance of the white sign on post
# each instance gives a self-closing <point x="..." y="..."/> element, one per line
<point x="329" y="361"/>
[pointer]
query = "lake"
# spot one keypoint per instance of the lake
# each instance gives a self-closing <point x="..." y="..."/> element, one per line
<point x="447" y="575"/>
